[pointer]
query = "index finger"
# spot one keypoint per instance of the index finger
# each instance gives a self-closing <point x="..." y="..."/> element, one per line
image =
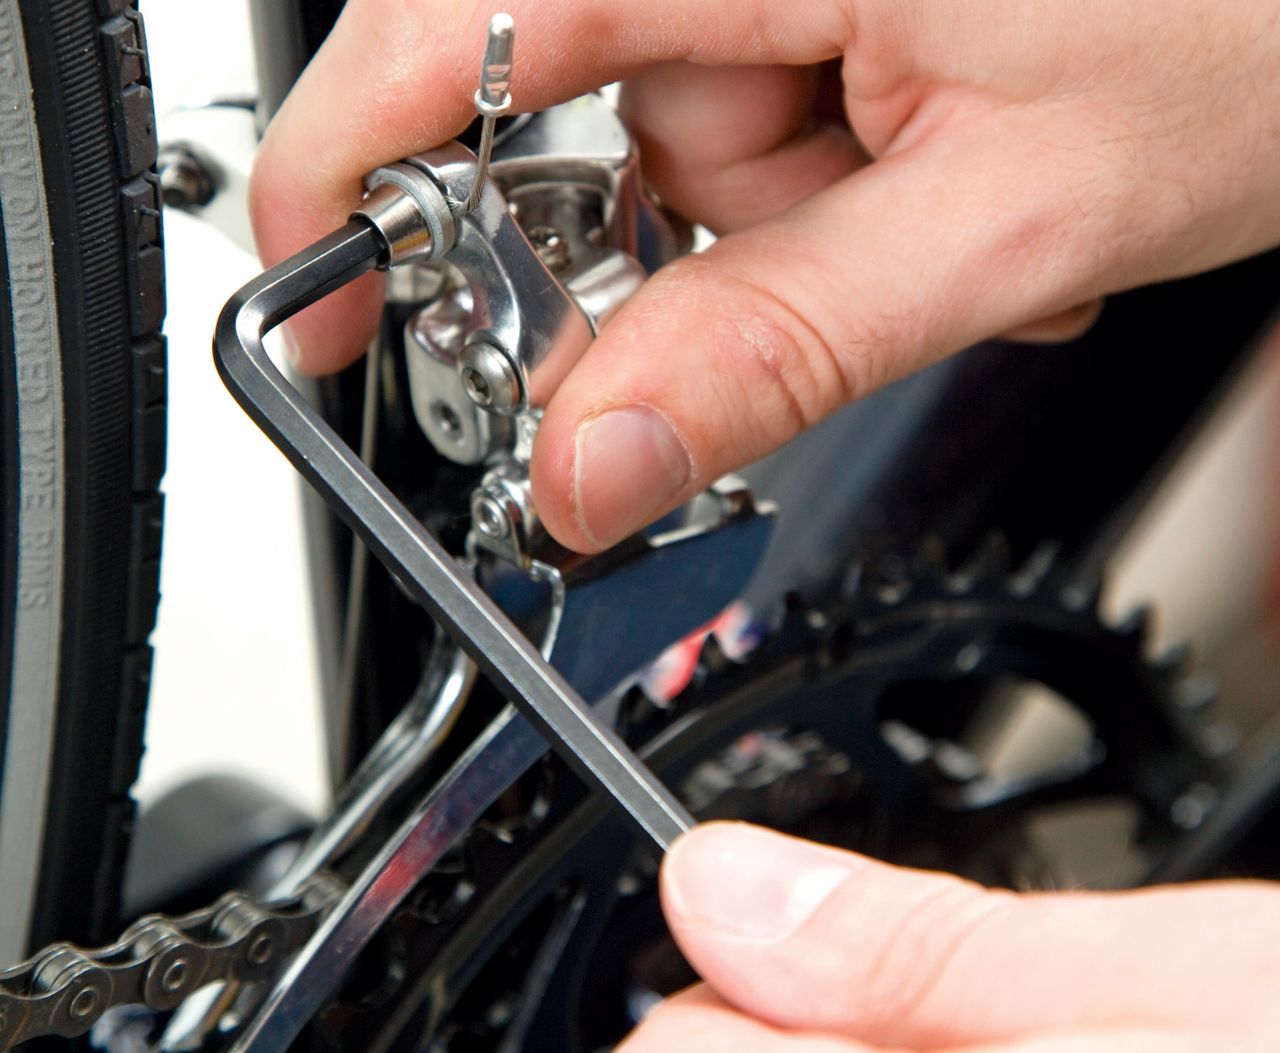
<point x="396" y="77"/>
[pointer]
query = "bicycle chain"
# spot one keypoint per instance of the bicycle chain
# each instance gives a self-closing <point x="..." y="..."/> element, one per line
<point x="159" y="961"/>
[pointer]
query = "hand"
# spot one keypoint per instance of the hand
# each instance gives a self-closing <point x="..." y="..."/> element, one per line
<point x="814" y="950"/>
<point x="991" y="164"/>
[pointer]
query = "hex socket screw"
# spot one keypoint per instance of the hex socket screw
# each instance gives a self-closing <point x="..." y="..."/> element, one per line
<point x="490" y="379"/>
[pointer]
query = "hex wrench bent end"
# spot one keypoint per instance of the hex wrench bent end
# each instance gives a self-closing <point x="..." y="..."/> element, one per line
<point x="404" y="546"/>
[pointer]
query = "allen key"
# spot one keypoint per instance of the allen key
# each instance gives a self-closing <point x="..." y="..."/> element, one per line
<point x="403" y="545"/>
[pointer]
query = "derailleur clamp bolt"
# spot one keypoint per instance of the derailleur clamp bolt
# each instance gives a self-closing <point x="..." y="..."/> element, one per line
<point x="409" y="211"/>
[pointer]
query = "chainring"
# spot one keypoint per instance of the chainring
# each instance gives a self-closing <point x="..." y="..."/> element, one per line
<point x="978" y="720"/>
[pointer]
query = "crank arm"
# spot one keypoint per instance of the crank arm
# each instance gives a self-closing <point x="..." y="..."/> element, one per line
<point x="395" y="536"/>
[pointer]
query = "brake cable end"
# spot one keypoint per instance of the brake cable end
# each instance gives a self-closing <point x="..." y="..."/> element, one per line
<point x="493" y="97"/>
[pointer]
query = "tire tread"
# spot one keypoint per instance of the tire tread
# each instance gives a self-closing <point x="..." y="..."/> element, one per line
<point x="123" y="38"/>
<point x="91" y="57"/>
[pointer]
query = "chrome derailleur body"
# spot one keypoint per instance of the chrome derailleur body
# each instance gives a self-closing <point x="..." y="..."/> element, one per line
<point x="509" y="294"/>
<point x="511" y="262"/>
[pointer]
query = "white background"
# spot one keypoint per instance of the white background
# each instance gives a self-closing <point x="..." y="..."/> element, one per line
<point x="234" y="686"/>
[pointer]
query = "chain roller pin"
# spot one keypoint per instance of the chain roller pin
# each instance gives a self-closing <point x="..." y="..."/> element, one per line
<point x="81" y="987"/>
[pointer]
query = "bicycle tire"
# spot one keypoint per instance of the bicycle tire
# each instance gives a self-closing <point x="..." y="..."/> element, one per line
<point x="82" y="413"/>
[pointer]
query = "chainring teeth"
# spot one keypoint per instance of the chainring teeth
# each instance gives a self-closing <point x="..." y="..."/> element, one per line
<point x="931" y="611"/>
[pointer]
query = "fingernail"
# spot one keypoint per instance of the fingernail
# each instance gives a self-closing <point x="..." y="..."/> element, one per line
<point x="629" y="463"/>
<point x="747" y="883"/>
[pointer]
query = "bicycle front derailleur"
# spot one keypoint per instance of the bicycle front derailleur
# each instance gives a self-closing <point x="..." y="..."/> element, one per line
<point x="513" y="268"/>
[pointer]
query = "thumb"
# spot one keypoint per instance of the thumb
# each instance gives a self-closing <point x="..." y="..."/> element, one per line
<point x="811" y="938"/>
<point x="724" y="356"/>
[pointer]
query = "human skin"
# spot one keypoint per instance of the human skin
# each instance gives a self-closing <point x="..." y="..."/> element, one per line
<point x="807" y="949"/>
<point x="975" y="168"/>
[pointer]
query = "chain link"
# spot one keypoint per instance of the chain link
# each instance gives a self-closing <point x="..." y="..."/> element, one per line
<point x="158" y="962"/>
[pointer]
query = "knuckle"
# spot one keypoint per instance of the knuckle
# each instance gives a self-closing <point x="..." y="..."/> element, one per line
<point x="925" y="950"/>
<point x="771" y="356"/>
<point x="869" y="348"/>
<point x="862" y="326"/>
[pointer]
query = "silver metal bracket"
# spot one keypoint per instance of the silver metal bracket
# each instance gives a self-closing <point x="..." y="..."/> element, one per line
<point x="511" y="291"/>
